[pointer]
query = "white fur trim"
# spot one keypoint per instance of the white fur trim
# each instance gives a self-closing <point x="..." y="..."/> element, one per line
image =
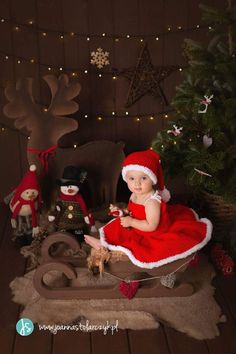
<point x="32" y="168"/>
<point x="162" y="261"/>
<point x="141" y="168"/>
<point x="165" y="194"/>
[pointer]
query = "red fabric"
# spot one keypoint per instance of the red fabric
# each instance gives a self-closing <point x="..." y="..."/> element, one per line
<point x="129" y="289"/>
<point x="149" y="159"/>
<point x="43" y="156"/>
<point x="22" y="202"/>
<point x="177" y="232"/>
<point x="29" y="181"/>
<point x="80" y="200"/>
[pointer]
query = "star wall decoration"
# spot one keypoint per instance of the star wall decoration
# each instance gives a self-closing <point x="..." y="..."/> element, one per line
<point x="146" y="79"/>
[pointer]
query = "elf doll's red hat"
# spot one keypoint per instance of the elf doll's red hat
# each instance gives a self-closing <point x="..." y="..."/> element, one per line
<point x="29" y="181"/>
<point x="149" y="162"/>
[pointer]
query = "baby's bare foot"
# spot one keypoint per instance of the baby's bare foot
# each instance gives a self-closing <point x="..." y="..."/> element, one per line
<point x="92" y="241"/>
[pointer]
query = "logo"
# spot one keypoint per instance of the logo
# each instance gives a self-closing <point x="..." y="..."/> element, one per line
<point x="24" y="327"/>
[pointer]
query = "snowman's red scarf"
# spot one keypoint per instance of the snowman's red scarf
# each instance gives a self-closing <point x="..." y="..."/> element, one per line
<point x="22" y="202"/>
<point x="80" y="200"/>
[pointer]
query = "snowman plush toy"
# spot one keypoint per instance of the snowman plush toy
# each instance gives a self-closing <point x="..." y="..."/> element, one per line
<point x="24" y="202"/>
<point x="71" y="213"/>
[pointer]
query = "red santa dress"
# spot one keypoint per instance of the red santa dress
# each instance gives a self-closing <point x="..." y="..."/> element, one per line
<point x="179" y="234"/>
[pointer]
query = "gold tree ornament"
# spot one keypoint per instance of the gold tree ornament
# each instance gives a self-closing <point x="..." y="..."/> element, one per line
<point x="146" y="79"/>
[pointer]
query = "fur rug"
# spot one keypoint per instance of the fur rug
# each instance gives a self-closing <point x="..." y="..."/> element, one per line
<point x="196" y="315"/>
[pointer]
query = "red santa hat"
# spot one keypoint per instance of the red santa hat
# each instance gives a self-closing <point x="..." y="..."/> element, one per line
<point x="29" y="181"/>
<point x="149" y="162"/>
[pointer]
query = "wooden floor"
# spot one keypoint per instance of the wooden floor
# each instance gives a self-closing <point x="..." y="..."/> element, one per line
<point x="163" y="340"/>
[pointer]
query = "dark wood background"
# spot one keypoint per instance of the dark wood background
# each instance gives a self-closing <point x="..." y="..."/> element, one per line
<point x="99" y="96"/>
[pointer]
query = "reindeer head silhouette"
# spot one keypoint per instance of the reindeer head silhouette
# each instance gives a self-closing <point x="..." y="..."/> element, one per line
<point x="45" y="126"/>
<point x="101" y="159"/>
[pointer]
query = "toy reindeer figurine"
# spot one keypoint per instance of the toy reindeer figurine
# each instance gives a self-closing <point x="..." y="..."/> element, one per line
<point x="24" y="204"/>
<point x="71" y="212"/>
<point x="47" y="126"/>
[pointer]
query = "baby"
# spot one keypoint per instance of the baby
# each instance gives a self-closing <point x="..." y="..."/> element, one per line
<point x="153" y="233"/>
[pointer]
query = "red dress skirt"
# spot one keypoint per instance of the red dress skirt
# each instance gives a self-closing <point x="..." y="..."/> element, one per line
<point x="179" y="234"/>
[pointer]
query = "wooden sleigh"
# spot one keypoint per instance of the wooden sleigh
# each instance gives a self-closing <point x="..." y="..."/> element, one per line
<point x="122" y="269"/>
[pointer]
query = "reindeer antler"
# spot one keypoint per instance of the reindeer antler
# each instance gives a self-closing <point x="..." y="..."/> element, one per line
<point x="21" y="103"/>
<point x="62" y="95"/>
<point x="46" y="126"/>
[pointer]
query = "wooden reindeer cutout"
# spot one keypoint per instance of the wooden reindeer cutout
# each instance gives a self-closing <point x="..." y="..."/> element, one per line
<point x="101" y="159"/>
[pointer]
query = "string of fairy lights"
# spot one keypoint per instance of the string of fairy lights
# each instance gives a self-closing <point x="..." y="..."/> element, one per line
<point x="44" y="33"/>
<point x="137" y="118"/>
<point x="30" y="25"/>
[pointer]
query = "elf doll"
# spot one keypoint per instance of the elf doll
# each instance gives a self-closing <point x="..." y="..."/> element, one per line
<point x="24" y="203"/>
<point x="71" y="212"/>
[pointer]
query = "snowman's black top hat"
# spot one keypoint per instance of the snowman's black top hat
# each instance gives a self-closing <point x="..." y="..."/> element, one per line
<point x="72" y="175"/>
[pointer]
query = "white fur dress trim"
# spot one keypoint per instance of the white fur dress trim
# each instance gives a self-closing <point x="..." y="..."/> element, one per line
<point x="162" y="262"/>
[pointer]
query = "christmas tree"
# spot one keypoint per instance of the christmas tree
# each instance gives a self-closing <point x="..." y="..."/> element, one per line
<point x="201" y="142"/>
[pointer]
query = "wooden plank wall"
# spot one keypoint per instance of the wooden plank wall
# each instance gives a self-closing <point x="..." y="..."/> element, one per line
<point x="99" y="95"/>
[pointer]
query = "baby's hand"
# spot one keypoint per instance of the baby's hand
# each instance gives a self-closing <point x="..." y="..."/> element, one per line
<point x="126" y="221"/>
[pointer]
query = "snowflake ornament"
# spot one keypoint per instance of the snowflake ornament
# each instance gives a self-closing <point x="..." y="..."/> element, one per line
<point x="99" y="58"/>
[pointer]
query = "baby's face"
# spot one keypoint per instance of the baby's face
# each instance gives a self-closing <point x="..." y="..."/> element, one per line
<point x="138" y="182"/>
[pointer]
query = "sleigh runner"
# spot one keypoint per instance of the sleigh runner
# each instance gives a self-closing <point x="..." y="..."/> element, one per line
<point x="126" y="278"/>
